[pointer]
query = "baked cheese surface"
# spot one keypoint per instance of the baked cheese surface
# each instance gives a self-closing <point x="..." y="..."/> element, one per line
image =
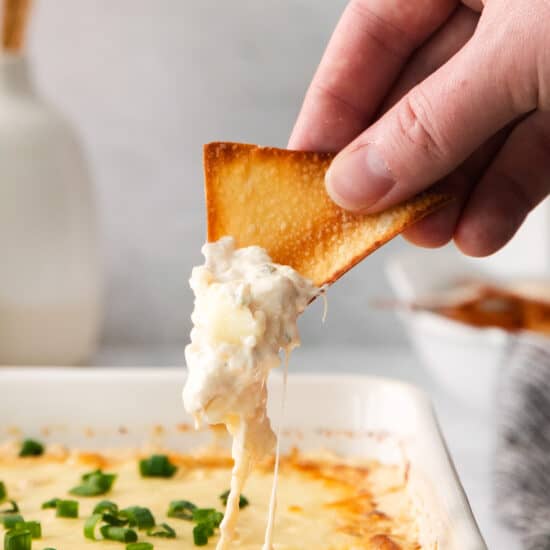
<point x="324" y="502"/>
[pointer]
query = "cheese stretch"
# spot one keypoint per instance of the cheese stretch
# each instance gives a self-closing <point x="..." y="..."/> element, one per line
<point x="246" y="310"/>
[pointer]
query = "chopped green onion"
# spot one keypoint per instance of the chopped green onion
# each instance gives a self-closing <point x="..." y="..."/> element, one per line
<point x="31" y="447"/>
<point x="106" y="506"/>
<point x="111" y="514"/>
<point x="52" y="503"/>
<point x="201" y="532"/>
<point x="163" y="531"/>
<point x="18" y="540"/>
<point x="139" y="546"/>
<point x="208" y="515"/>
<point x="207" y="520"/>
<point x="33" y="526"/>
<point x="11" y="520"/>
<point x="50" y="548"/>
<point x="157" y="466"/>
<point x="181" y="509"/>
<point x="120" y="534"/>
<point x="10" y="516"/>
<point x="115" y="519"/>
<point x="243" y="501"/>
<point x="94" y="484"/>
<point x="139" y="517"/>
<point x="13" y="510"/>
<point x="3" y="492"/>
<point x="90" y="525"/>
<point x="67" y="509"/>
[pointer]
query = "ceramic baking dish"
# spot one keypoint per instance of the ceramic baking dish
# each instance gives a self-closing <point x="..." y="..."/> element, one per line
<point x="352" y="415"/>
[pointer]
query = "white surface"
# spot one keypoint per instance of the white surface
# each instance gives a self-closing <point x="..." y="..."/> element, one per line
<point x="147" y="83"/>
<point x="49" y="267"/>
<point x="104" y="400"/>
<point x="469" y="436"/>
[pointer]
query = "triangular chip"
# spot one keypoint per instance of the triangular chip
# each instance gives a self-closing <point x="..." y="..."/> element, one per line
<point x="276" y="199"/>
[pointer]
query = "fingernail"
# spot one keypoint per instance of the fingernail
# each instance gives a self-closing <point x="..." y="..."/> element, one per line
<point x="359" y="179"/>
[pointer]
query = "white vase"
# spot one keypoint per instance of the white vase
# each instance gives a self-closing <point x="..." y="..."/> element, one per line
<point x="49" y="260"/>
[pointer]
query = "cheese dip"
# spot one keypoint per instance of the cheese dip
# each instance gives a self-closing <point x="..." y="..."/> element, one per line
<point x="326" y="502"/>
<point x="246" y="309"/>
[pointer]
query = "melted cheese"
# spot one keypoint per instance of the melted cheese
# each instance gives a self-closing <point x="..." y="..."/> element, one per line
<point x="246" y="309"/>
<point x="324" y="502"/>
<point x="268" y="539"/>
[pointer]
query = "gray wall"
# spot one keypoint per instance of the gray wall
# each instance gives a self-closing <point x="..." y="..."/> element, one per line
<point x="147" y="82"/>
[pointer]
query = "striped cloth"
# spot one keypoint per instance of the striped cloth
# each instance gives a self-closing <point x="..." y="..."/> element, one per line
<point x="522" y="459"/>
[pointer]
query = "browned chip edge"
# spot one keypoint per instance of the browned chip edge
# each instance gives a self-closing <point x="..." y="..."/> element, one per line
<point x="230" y="150"/>
<point x="438" y="200"/>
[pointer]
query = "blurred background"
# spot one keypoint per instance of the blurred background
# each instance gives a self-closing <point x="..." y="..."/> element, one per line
<point x="145" y="84"/>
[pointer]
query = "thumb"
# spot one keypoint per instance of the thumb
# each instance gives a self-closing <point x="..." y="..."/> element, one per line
<point x="430" y="131"/>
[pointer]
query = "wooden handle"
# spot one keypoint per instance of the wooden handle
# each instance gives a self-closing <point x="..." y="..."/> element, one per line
<point x="16" y="14"/>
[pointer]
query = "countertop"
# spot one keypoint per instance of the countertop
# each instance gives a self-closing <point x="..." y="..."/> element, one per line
<point x="469" y="436"/>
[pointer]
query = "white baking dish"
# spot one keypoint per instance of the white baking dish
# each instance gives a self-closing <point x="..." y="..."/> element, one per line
<point x="352" y="415"/>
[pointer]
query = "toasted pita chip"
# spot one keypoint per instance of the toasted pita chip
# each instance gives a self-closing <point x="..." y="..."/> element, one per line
<point x="276" y="199"/>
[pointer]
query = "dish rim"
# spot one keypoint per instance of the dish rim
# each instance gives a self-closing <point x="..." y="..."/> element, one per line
<point x="451" y="488"/>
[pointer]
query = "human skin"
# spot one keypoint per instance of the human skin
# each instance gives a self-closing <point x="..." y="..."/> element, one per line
<point x="455" y="96"/>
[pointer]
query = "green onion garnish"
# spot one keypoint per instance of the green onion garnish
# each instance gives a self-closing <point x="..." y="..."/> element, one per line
<point x="3" y="492"/>
<point x="163" y="531"/>
<point x="207" y="520"/>
<point x="201" y="532"/>
<point x="33" y="526"/>
<point x="115" y="519"/>
<point x="157" y="466"/>
<point x="94" y="484"/>
<point x="111" y="514"/>
<point x="109" y="511"/>
<point x="120" y="534"/>
<point x="13" y="510"/>
<point x="67" y="509"/>
<point x="31" y="447"/>
<point x="208" y="515"/>
<point x="139" y="517"/>
<point x="139" y="546"/>
<point x="243" y="501"/>
<point x="52" y="503"/>
<point x="181" y="509"/>
<point x="17" y="540"/>
<point x="11" y="520"/>
<point x="50" y="548"/>
<point x="106" y="506"/>
<point x="90" y="525"/>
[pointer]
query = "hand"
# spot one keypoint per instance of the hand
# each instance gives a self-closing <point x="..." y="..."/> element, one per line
<point x="421" y="93"/>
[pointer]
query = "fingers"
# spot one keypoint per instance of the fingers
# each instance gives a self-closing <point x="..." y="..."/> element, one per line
<point x="364" y="56"/>
<point x="431" y="130"/>
<point x="438" y="228"/>
<point x="445" y="43"/>
<point x="517" y="180"/>
<point x="476" y="5"/>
